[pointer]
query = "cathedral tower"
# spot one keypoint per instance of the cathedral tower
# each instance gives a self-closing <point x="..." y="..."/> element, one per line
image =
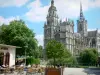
<point x="82" y="23"/>
<point x="51" y="23"/>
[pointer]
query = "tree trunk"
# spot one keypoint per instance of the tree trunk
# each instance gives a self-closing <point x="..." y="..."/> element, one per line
<point x="54" y="62"/>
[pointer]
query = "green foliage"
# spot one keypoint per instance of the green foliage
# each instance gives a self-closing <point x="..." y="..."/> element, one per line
<point x="89" y="56"/>
<point x="18" y="34"/>
<point x="31" y="60"/>
<point x="66" y="59"/>
<point x="58" y="54"/>
<point x="54" y="50"/>
<point x="83" y="66"/>
<point x="40" y="48"/>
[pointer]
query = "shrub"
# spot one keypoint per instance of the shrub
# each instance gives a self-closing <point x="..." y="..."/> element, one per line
<point x="32" y="60"/>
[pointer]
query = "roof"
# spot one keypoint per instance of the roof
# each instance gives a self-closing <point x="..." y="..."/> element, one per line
<point x="92" y="33"/>
<point x="4" y="45"/>
<point x="77" y="35"/>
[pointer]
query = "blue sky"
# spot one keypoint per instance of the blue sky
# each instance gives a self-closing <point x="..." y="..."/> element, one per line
<point x="34" y="13"/>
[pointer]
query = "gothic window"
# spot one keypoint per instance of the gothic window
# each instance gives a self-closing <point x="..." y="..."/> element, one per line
<point x="53" y="12"/>
<point x="47" y="22"/>
<point x="93" y="42"/>
<point x="47" y="32"/>
<point x="80" y="27"/>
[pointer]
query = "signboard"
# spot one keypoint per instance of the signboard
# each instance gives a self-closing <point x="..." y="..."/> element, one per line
<point x="4" y="48"/>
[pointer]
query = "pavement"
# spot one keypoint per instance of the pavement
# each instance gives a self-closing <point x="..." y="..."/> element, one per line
<point x="81" y="71"/>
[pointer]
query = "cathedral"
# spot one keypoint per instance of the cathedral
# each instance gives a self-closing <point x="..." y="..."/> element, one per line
<point x="64" y="32"/>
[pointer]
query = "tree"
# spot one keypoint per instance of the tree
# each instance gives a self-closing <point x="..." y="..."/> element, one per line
<point x="89" y="56"/>
<point x="40" y="51"/>
<point x="54" y="50"/>
<point x="18" y="34"/>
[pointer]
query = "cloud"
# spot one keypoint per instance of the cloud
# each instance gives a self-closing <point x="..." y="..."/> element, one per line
<point x="7" y="20"/>
<point x="36" y="12"/>
<point x="65" y="8"/>
<point x="39" y="38"/>
<point x="17" y="3"/>
<point x="95" y="3"/>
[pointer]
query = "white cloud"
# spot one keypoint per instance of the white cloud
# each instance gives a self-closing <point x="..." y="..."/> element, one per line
<point x="36" y="12"/>
<point x="17" y="3"/>
<point x="39" y="39"/>
<point x="7" y="20"/>
<point x="65" y="8"/>
<point x="95" y="3"/>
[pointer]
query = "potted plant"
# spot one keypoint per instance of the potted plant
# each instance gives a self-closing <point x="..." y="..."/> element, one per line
<point x="54" y="50"/>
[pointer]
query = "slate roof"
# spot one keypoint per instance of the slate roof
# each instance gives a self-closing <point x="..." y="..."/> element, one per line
<point x="92" y="33"/>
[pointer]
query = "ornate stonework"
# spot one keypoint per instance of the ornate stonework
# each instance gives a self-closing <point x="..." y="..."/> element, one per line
<point x="64" y="32"/>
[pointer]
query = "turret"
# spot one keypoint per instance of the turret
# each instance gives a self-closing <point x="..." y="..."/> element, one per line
<point x="51" y="23"/>
<point x="52" y="3"/>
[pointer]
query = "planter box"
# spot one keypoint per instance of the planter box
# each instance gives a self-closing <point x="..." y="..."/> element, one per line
<point x="54" y="71"/>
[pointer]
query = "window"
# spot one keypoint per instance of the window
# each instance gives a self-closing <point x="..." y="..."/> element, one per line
<point x="7" y="58"/>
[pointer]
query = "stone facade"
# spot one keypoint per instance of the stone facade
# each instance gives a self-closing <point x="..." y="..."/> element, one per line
<point x="64" y="32"/>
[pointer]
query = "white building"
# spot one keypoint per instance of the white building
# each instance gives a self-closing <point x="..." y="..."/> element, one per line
<point x="7" y="55"/>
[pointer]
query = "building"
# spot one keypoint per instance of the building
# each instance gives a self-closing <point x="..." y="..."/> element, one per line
<point x="64" y="32"/>
<point x="7" y="55"/>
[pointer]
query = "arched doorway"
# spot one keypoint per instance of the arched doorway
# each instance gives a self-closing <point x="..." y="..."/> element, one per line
<point x="1" y="58"/>
<point x="7" y="58"/>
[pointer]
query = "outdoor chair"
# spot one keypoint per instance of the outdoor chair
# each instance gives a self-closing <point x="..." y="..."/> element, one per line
<point x="7" y="70"/>
<point x="12" y="69"/>
<point x="30" y="71"/>
<point x="41" y="71"/>
<point x="20" y="70"/>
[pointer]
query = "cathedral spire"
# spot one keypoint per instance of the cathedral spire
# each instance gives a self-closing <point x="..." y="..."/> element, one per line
<point x="52" y="2"/>
<point x="81" y="11"/>
<point x="80" y="7"/>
